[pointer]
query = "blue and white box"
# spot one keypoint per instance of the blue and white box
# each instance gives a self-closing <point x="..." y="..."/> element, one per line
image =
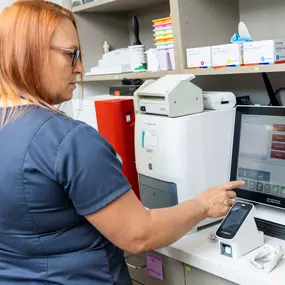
<point x="264" y="52"/>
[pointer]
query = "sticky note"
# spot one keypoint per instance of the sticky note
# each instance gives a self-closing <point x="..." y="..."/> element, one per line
<point x="154" y="265"/>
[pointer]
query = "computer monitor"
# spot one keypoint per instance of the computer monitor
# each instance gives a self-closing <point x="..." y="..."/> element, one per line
<point x="258" y="155"/>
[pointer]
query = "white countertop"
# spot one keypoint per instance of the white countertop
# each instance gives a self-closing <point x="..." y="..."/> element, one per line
<point x="196" y="250"/>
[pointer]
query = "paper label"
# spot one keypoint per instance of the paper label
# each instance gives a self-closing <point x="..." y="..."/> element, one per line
<point x="154" y="265"/>
<point x="149" y="140"/>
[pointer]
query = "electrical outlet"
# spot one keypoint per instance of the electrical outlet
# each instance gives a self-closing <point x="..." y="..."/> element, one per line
<point x="243" y="100"/>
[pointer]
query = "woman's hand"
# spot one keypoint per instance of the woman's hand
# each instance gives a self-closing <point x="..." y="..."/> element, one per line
<point x="217" y="201"/>
<point x="127" y="224"/>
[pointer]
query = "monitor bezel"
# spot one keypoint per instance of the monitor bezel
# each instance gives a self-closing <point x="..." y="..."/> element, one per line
<point x="255" y="197"/>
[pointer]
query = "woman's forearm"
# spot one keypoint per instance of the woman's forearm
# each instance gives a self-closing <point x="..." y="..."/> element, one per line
<point x="167" y="225"/>
<point x="127" y="224"/>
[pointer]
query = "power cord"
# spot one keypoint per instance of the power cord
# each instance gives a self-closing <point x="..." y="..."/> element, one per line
<point x="126" y="81"/>
<point x="271" y="94"/>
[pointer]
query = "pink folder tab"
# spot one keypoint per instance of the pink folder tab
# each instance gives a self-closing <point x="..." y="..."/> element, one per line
<point x="154" y="265"/>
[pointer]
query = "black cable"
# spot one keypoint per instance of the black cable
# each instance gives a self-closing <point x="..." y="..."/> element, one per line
<point x="270" y="91"/>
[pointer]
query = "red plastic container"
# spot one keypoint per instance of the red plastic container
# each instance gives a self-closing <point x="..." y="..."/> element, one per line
<point x="116" y="123"/>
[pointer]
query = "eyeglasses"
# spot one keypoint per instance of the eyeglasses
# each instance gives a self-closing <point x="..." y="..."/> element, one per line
<point x="73" y="53"/>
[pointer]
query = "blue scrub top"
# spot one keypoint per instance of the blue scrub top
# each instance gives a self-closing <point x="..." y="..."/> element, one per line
<point x="53" y="171"/>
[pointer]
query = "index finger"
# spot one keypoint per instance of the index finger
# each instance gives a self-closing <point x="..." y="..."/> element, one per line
<point x="233" y="184"/>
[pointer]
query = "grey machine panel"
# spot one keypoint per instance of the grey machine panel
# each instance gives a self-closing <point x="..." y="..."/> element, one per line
<point x="157" y="193"/>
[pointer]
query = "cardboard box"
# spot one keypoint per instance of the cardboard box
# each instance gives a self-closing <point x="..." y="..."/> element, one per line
<point x="229" y="55"/>
<point x="199" y="57"/>
<point x="264" y="52"/>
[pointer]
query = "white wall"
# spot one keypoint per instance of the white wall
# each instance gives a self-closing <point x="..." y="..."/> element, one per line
<point x="56" y="1"/>
<point x="264" y="18"/>
<point x="5" y="3"/>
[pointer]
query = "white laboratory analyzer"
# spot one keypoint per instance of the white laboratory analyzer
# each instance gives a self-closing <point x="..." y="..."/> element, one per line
<point x="219" y="100"/>
<point x="181" y="150"/>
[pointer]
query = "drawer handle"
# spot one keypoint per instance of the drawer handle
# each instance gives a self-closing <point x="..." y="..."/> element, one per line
<point x="136" y="267"/>
<point x="133" y="266"/>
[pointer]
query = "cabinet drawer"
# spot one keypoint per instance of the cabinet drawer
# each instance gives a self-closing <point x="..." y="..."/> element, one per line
<point x="137" y="267"/>
<point x="172" y="271"/>
<point x="196" y="276"/>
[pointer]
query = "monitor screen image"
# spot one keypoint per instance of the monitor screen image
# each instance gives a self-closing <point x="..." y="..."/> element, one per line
<point x="261" y="162"/>
<point x="259" y="154"/>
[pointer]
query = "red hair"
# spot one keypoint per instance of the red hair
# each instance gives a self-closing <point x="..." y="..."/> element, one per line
<point x="26" y="28"/>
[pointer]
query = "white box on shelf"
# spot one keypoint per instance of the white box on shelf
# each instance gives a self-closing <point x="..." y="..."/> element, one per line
<point x="116" y="61"/>
<point x="264" y="52"/>
<point x="98" y="70"/>
<point x="229" y="55"/>
<point x="116" y="57"/>
<point x="199" y="57"/>
<point x="279" y="51"/>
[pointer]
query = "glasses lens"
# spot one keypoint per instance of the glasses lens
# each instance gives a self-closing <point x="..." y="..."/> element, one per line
<point x="76" y="57"/>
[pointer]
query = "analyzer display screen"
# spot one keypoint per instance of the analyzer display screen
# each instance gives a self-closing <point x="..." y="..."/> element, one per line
<point x="261" y="157"/>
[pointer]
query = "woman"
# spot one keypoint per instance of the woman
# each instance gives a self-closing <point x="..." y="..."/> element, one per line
<point x="66" y="211"/>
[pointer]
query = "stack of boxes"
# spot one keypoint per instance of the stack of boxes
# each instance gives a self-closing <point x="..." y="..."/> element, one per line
<point x="163" y="37"/>
<point x="237" y="54"/>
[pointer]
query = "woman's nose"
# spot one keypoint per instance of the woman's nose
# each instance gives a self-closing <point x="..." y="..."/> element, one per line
<point x="78" y="68"/>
